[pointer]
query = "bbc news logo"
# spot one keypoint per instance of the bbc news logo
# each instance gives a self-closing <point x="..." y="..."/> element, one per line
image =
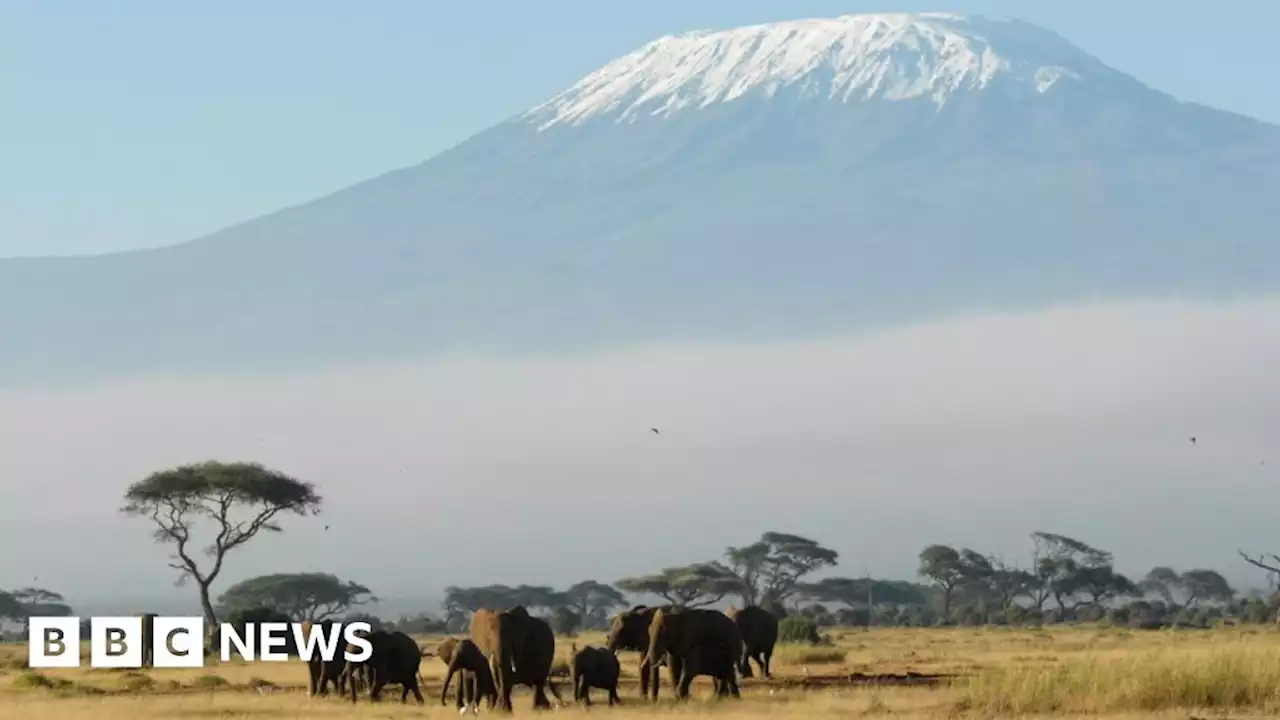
<point x="177" y="642"/>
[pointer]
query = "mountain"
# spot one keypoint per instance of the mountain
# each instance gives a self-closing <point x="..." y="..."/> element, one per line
<point x="766" y="182"/>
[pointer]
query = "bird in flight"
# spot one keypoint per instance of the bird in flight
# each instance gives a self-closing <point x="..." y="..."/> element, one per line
<point x="1193" y="441"/>
<point x="654" y="431"/>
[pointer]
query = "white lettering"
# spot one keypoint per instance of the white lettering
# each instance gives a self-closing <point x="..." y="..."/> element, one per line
<point x="53" y="642"/>
<point x="244" y="645"/>
<point x="307" y="645"/>
<point x="273" y="636"/>
<point x="353" y="635"/>
<point x="178" y="642"/>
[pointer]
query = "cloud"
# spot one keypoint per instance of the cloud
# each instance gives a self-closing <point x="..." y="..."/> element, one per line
<point x="973" y="432"/>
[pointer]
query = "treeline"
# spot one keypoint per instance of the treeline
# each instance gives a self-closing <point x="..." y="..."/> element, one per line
<point x="1062" y="580"/>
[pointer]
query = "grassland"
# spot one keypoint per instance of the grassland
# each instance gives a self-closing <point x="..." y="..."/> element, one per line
<point x="1000" y="672"/>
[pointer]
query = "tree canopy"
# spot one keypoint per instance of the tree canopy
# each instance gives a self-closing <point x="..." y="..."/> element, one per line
<point x="302" y="596"/>
<point x="770" y="570"/>
<point x="239" y="500"/>
<point x="690" y="585"/>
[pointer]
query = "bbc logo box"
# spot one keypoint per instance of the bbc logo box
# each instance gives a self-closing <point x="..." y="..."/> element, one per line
<point x="115" y="642"/>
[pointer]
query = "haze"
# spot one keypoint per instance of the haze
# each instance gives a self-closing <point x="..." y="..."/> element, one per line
<point x="972" y="432"/>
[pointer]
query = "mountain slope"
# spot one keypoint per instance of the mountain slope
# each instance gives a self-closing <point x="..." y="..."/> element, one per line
<point x="760" y="183"/>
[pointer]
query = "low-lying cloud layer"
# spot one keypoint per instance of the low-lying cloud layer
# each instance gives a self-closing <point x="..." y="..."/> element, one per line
<point x="972" y="432"/>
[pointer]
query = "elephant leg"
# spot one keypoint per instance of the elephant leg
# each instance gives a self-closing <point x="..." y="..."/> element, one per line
<point x="473" y="695"/>
<point x="676" y="668"/>
<point x="555" y="691"/>
<point x="501" y="682"/>
<point x="768" y="659"/>
<point x="644" y="678"/>
<point x="540" y="700"/>
<point x="744" y="662"/>
<point x="682" y="689"/>
<point x="313" y="679"/>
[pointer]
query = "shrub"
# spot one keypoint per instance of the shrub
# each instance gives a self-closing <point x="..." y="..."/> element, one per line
<point x="138" y="682"/>
<point x="210" y="682"/>
<point x="32" y="679"/>
<point x="797" y="630"/>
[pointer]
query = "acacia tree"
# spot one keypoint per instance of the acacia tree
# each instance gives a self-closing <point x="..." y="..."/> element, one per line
<point x="1183" y="591"/>
<point x="770" y="571"/>
<point x="11" y="610"/>
<point x="459" y="602"/>
<point x="311" y="597"/>
<point x="593" y="600"/>
<point x="1064" y="566"/>
<point x="38" y="602"/>
<point x="692" y="585"/>
<point x="944" y="567"/>
<point x="991" y="580"/>
<point x="239" y="500"/>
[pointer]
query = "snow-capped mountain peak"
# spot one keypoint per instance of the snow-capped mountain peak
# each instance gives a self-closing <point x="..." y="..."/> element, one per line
<point x="843" y="59"/>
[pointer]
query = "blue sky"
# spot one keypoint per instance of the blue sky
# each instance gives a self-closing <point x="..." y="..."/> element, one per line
<point x="142" y="123"/>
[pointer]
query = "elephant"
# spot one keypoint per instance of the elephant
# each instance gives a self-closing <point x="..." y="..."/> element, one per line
<point x="593" y="667"/>
<point x="714" y="661"/>
<point x="394" y="661"/>
<point x="630" y="631"/>
<point x="520" y="649"/>
<point x="759" y="630"/>
<point x="707" y="637"/>
<point x="322" y="672"/>
<point x="475" y="679"/>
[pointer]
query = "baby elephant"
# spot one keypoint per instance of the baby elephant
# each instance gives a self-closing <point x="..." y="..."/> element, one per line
<point x="594" y="667"/>
<point x="475" y="679"/>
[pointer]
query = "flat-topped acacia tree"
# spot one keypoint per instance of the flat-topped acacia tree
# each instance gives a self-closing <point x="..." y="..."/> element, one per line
<point x="239" y="500"/>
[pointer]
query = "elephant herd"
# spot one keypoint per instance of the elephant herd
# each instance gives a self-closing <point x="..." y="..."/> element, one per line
<point x="511" y="647"/>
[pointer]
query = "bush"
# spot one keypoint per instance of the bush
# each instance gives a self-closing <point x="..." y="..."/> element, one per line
<point x="797" y="630"/>
<point x="210" y="682"/>
<point x="138" y="682"/>
<point x="32" y="679"/>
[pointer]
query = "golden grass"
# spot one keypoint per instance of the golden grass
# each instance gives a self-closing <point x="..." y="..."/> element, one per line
<point x="1006" y="672"/>
<point x="1241" y="676"/>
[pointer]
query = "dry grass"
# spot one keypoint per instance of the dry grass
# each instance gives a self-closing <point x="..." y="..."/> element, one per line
<point x="1057" y="673"/>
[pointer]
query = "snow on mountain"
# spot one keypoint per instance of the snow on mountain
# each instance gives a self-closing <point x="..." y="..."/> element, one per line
<point x="886" y="56"/>
<point x="997" y="167"/>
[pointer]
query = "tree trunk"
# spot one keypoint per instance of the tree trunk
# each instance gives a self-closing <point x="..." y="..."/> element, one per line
<point x="210" y="620"/>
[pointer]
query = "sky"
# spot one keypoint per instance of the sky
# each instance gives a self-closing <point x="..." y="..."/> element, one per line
<point x="146" y="123"/>
<point x="972" y="432"/>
